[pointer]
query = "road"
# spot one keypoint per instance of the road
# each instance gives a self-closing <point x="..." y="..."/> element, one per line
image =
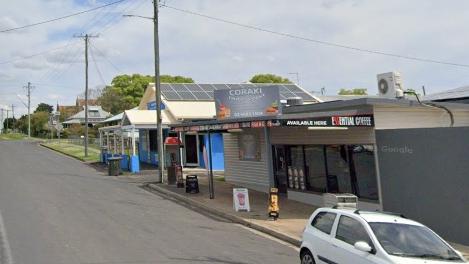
<point x="57" y="210"/>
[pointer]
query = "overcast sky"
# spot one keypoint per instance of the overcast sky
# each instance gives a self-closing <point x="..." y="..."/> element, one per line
<point x="214" y="52"/>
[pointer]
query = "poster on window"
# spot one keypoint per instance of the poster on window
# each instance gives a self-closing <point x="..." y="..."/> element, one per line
<point x="241" y="199"/>
<point x="249" y="147"/>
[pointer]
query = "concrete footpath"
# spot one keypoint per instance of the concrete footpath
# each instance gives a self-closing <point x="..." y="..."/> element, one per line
<point x="289" y="227"/>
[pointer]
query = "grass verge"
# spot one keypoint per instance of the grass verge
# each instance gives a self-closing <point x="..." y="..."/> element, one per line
<point x="12" y="136"/>
<point x="74" y="151"/>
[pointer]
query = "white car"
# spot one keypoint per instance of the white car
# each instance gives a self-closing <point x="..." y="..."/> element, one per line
<point x="350" y="236"/>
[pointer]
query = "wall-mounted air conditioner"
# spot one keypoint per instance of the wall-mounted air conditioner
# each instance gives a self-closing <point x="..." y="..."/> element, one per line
<point x="390" y="85"/>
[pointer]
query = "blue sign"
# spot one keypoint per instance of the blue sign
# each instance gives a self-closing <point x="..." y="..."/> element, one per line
<point x="152" y="106"/>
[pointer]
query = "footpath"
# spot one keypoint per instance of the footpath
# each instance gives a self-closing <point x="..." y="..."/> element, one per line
<point x="289" y="227"/>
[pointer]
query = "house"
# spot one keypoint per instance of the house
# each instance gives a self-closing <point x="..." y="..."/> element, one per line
<point x="95" y="116"/>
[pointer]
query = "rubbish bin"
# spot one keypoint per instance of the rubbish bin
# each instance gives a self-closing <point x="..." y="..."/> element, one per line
<point x="114" y="166"/>
<point x="192" y="184"/>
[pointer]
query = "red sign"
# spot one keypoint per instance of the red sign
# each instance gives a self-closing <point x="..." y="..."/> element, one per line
<point x="172" y="141"/>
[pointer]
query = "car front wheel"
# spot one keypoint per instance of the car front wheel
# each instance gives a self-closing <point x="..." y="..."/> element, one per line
<point x="307" y="257"/>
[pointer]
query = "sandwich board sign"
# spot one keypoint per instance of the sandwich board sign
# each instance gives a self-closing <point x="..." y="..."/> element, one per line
<point x="241" y="199"/>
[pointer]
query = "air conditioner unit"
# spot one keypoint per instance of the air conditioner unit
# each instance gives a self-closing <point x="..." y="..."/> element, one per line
<point x="390" y="85"/>
<point x="340" y="200"/>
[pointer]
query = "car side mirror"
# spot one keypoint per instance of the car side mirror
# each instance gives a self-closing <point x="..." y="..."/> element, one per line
<point x="363" y="246"/>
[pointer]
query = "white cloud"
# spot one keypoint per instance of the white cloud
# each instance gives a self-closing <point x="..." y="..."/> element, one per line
<point x="211" y="51"/>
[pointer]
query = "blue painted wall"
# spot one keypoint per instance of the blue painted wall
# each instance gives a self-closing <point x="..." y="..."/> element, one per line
<point x="218" y="159"/>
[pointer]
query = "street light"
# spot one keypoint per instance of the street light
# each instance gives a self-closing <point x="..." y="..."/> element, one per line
<point x="157" y="89"/>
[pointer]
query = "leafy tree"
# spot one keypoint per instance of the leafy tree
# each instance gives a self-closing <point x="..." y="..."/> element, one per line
<point x="175" y="79"/>
<point x="8" y="123"/>
<point x="126" y="91"/>
<point x="356" y="91"/>
<point x="42" y="107"/>
<point x="268" y="78"/>
<point x="39" y="124"/>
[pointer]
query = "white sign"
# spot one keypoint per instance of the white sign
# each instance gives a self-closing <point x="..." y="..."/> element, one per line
<point x="241" y="199"/>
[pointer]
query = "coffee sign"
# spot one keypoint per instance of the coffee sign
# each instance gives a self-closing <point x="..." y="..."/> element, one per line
<point x="332" y="121"/>
<point x="241" y="199"/>
<point x="247" y="102"/>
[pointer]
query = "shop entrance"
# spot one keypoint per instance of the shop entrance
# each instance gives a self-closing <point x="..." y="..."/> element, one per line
<point x="192" y="155"/>
<point x="280" y="168"/>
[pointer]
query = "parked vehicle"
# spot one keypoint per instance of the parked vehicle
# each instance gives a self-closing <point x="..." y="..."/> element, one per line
<point x="359" y="237"/>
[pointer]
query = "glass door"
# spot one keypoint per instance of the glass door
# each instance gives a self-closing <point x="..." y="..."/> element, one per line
<point x="280" y="168"/>
<point x="192" y="155"/>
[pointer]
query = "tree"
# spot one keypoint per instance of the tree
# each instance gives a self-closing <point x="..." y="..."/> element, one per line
<point x="175" y="79"/>
<point x="268" y="78"/>
<point x="8" y="123"/>
<point x="126" y="91"/>
<point x="355" y="91"/>
<point x="43" y="107"/>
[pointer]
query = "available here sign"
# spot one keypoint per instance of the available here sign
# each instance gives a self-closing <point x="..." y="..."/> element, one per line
<point x="331" y="121"/>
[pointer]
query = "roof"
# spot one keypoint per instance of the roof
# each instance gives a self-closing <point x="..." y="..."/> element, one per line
<point x="369" y="216"/>
<point x="114" y="118"/>
<point x="204" y="91"/>
<point x="101" y="113"/>
<point x="330" y="98"/>
<point x="144" y="118"/>
<point x="461" y="92"/>
<point x="72" y="121"/>
<point x="334" y="105"/>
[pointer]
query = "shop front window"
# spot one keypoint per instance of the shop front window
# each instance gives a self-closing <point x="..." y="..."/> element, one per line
<point x="334" y="169"/>
<point x="316" y="168"/>
<point x="365" y="171"/>
<point x="338" y="170"/>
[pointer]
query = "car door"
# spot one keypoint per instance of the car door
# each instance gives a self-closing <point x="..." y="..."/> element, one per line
<point x="348" y="231"/>
<point x="318" y="235"/>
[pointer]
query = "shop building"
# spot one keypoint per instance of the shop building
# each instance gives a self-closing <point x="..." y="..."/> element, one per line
<point x="338" y="147"/>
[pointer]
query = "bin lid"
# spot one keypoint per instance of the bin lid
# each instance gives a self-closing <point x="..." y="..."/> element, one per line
<point x="114" y="158"/>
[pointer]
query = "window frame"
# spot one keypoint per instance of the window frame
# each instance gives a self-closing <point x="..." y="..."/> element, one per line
<point x="332" y="225"/>
<point x="336" y="229"/>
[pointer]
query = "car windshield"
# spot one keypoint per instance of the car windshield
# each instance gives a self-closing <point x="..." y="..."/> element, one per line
<point x="412" y="241"/>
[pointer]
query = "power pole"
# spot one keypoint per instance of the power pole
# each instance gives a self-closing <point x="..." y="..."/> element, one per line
<point x="7" y="120"/>
<point x="28" y="89"/>
<point x="158" y="93"/>
<point x="86" y="37"/>
<point x="13" y="114"/>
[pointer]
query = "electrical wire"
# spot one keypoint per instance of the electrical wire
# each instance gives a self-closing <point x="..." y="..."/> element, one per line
<point x="321" y="42"/>
<point x="97" y="68"/>
<point x="433" y="105"/>
<point x="106" y="58"/>
<point x="60" y="18"/>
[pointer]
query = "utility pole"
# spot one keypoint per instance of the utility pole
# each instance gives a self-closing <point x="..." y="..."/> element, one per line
<point x="28" y="89"/>
<point x="7" y="120"/>
<point x="86" y="37"/>
<point x="158" y="93"/>
<point x="13" y="114"/>
<point x="423" y="89"/>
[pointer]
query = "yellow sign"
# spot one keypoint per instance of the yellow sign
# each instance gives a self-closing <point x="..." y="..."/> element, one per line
<point x="273" y="203"/>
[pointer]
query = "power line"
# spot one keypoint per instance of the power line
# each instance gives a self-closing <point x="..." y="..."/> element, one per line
<point x="97" y="68"/>
<point x="321" y="42"/>
<point x="105" y="57"/>
<point x="60" y="18"/>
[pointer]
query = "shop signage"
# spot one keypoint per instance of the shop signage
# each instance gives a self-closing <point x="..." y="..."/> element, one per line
<point x="331" y="121"/>
<point x="241" y="199"/>
<point x="152" y="106"/>
<point x="247" y="102"/>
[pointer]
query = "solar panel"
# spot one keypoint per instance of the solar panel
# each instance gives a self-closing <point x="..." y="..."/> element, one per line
<point x="204" y="92"/>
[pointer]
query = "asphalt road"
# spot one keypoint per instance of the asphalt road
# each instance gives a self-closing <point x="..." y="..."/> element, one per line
<point x="56" y="210"/>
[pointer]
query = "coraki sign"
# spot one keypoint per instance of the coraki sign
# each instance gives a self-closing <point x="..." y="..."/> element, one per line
<point x="247" y="102"/>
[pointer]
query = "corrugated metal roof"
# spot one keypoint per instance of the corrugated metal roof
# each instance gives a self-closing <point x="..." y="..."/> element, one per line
<point x="461" y="92"/>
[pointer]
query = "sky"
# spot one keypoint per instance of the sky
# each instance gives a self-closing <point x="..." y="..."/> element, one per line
<point x="215" y="52"/>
